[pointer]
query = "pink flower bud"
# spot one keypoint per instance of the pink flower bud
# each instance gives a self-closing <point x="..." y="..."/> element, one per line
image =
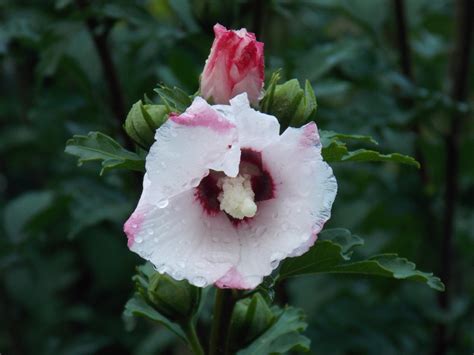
<point x="235" y="65"/>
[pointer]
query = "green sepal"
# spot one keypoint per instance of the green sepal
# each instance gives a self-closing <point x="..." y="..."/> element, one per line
<point x="283" y="336"/>
<point x="143" y="121"/>
<point x="250" y="318"/>
<point x="177" y="300"/>
<point x="175" y="99"/>
<point x="160" y="298"/>
<point x="289" y="102"/>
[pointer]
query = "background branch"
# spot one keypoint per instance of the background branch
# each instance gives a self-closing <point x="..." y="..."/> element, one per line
<point x="459" y="91"/>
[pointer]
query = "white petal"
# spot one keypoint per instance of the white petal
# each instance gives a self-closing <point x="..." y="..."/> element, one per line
<point x="256" y="129"/>
<point x="187" y="146"/>
<point x="184" y="241"/>
<point x="287" y="225"/>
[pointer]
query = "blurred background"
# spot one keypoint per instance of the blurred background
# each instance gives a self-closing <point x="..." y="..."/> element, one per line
<point x="393" y="69"/>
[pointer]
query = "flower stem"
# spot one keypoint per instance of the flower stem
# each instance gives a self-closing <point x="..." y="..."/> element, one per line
<point x="223" y="306"/>
<point x="193" y="339"/>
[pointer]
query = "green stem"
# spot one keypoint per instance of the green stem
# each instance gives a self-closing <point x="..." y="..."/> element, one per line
<point x="193" y="339"/>
<point x="223" y="306"/>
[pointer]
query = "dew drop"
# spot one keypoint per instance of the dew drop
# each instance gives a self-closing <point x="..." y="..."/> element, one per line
<point x="195" y="182"/>
<point x="138" y="239"/>
<point x="199" y="281"/>
<point x="135" y="226"/>
<point x="177" y="276"/>
<point x="161" y="268"/>
<point x="274" y="263"/>
<point x="150" y="231"/>
<point x="162" y="203"/>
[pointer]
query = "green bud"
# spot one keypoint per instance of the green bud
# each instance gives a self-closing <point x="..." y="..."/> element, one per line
<point x="292" y="105"/>
<point x="142" y="122"/>
<point x="250" y="318"/>
<point x="176" y="300"/>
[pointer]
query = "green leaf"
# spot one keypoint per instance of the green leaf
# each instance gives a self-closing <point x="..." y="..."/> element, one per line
<point x="138" y="307"/>
<point x="390" y="265"/>
<point x="175" y="99"/>
<point x="97" y="146"/>
<point x="332" y="254"/>
<point x="335" y="150"/>
<point x="284" y="334"/>
<point x="289" y="102"/>
<point x="327" y="137"/>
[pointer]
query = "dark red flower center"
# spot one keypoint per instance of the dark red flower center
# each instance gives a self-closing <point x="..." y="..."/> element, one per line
<point x="251" y="164"/>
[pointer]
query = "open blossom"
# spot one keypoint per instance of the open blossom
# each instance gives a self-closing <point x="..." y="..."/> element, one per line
<point x="226" y="197"/>
<point x="235" y="65"/>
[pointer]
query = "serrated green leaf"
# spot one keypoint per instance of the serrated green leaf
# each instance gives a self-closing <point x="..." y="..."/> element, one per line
<point x="97" y="146"/>
<point x="364" y="155"/>
<point x="284" y="334"/>
<point x="335" y="150"/>
<point x="390" y="265"/>
<point x="327" y="137"/>
<point x="174" y="98"/>
<point x="332" y="252"/>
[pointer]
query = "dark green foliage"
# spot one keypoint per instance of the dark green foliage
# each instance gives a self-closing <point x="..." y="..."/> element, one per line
<point x="283" y="336"/>
<point x="63" y="295"/>
<point x="97" y="146"/>
<point x="332" y="254"/>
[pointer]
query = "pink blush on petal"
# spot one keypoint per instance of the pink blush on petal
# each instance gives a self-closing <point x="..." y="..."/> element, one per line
<point x="131" y="227"/>
<point x="207" y="119"/>
<point x="232" y="279"/>
<point x="310" y="135"/>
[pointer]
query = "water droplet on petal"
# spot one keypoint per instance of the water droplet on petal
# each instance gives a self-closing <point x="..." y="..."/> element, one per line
<point x="195" y="182"/>
<point x="199" y="281"/>
<point x="177" y="275"/>
<point x="274" y="263"/>
<point x="138" y="239"/>
<point x="150" y="231"/>
<point x="162" y="203"/>
<point x="161" y="268"/>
